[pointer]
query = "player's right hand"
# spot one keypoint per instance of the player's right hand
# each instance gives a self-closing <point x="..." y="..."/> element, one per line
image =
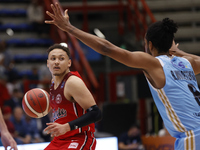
<point x="59" y="19"/>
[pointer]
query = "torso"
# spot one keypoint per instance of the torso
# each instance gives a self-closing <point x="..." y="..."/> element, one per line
<point x="156" y="76"/>
<point x="176" y="100"/>
<point x="65" y="109"/>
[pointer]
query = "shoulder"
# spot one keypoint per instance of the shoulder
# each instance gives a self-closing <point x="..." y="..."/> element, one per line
<point x="194" y="63"/>
<point x="74" y="81"/>
<point x="190" y="60"/>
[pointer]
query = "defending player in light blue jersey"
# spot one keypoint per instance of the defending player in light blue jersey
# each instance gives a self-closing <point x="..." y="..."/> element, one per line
<point x="171" y="79"/>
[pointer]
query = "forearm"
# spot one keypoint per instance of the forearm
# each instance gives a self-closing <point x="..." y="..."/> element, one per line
<point x="3" y="126"/>
<point x="182" y="53"/>
<point x="93" y="115"/>
<point x="98" y="44"/>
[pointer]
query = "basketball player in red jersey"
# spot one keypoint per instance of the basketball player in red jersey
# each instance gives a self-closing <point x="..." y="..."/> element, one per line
<point x="74" y="108"/>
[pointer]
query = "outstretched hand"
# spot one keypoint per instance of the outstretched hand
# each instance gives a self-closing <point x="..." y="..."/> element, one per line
<point x="58" y="18"/>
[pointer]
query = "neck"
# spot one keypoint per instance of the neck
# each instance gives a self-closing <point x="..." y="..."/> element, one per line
<point x="161" y="53"/>
<point x="58" y="78"/>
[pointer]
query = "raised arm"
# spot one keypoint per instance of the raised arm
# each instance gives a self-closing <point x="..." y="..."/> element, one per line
<point x="194" y="59"/>
<point x="132" y="59"/>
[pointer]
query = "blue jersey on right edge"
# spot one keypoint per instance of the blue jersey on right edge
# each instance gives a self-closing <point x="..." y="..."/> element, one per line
<point x="178" y="102"/>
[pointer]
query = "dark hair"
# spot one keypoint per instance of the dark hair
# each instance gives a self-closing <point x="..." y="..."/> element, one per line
<point x="161" y="34"/>
<point x="58" y="46"/>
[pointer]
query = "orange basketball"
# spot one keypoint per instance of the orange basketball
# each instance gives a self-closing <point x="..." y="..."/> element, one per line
<point x="35" y="103"/>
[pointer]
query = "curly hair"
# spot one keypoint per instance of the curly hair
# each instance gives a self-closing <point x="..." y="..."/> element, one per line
<point x="161" y="34"/>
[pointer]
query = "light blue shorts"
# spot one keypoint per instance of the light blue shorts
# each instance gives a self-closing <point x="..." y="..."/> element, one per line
<point x="189" y="140"/>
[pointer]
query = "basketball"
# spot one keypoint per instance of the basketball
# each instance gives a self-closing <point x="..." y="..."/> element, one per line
<point x="35" y="103"/>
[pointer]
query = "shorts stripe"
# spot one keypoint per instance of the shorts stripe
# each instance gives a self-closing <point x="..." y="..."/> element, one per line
<point x="85" y="141"/>
<point x="189" y="140"/>
<point x="93" y="140"/>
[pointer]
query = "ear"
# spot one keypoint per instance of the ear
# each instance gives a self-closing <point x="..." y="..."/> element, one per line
<point x="150" y="45"/>
<point x="69" y="63"/>
<point x="47" y="63"/>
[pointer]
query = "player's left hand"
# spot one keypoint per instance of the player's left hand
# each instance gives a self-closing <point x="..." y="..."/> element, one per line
<point x="174" y="49"/>
<point x="56" y="129"/>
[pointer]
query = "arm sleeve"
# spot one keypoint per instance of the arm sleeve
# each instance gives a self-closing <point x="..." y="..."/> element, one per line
<point x="93" y="115"/>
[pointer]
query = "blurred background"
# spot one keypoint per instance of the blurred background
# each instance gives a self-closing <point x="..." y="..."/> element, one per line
<point x="121" y="92"/>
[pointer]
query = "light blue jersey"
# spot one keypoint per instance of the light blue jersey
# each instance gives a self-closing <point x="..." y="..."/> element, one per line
<point x="179" y="102"/>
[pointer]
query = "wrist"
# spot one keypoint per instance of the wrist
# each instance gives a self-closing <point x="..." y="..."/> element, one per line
<point x="70" y="28"/>
<point x="68" y="128"/>
<point x="4" y="131"/>
<point x="72" y="126"/>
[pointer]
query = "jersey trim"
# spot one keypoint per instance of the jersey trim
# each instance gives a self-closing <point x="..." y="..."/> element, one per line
<point x="173" y="117"/>
<point x="93" y="140"/>
<point x="189" y="141"/>
<point x="170" y="111"/>
<point x="75" y="109"/>
<point x="86" y="137"/>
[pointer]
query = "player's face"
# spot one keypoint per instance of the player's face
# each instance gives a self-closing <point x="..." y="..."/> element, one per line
<point x="58" y="62"/>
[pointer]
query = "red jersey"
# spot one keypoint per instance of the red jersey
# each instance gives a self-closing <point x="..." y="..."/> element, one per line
<point x="65" y="111"/>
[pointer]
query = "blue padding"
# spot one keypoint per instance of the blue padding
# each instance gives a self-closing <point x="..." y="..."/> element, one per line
<point x="22" y="26"/>
<point x="30" y="42"/>
<point x="89" y="53"/>
<point x="30" y="58"/>
<point x="25" y="73"/>
<point x="15" y="12"/>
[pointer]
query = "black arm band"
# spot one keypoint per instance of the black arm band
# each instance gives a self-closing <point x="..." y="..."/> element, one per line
<point x="93" y="115"/>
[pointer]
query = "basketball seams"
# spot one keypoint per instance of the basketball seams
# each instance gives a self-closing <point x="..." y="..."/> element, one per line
<point x="47" y="99"/>
<point x="38" y="100"/>
<point x="41" y="98"/>
<point x="29" y="106"/>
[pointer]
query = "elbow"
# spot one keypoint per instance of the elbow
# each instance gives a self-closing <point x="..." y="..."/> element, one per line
<point x="106" y="48"/>
<point x="95" y="113"/>
<point x="98" y="116"/>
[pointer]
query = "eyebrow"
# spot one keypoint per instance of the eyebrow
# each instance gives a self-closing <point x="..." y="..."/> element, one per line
<point x="58" y="55"/>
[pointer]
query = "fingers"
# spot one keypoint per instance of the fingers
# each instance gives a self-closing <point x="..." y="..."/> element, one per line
<point x="48" y="127"/>
<point x="54" y="9"/>
<point x="50" y="14"/>
<point x="66" y="12"/>
<point x="58" y="9"/>
<point x="12" y="147"/>
<point x="49" y="22"/>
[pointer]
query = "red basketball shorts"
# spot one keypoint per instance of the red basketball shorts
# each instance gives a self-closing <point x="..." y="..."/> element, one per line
<point x="82" y="141"/>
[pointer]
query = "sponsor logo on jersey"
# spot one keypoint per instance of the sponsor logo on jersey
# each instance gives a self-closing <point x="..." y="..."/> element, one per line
<point x="59" y="113"/>
<point x="178" y="64"/>
<point x="58" y="99"/>
<point x="73" y="145"/>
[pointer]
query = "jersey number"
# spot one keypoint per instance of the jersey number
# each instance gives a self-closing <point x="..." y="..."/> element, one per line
<point x="195" y="93"/>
